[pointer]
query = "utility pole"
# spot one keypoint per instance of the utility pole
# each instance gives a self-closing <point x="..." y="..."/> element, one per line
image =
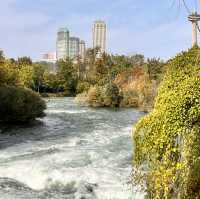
<point x="194" y="18"/>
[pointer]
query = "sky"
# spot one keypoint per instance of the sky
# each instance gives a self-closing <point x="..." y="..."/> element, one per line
<point x="155" y="28"/>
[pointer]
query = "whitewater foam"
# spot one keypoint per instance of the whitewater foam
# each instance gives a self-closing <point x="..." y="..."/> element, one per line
<point x="65" y="111"/>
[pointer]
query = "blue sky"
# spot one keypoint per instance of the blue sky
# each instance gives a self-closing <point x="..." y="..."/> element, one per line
<point x="155" y="28"/>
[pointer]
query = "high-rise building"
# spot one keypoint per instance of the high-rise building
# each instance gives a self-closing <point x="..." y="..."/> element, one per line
<point x="49" y="57"/>
<point x="73" y="47"/>
<point x="82" y="50"/>
<point x="99" y="35"/>
<point x="62" y="43"/>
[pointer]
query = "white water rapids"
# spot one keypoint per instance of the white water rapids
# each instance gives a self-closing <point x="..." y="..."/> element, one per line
<point x="71" y="147"/>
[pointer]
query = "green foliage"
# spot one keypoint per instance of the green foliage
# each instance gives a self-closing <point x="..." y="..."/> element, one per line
<point x="111" y="95"/>
<point x="38" y="77"/>
<point x="82" y="87"/>
<point x="154" y="68"/>
<point x="26" y="73"/>
<point x="67" y="77"/>
<point x="2" y="58"/>
<point x="130" y="99"/>
<point x="104" y="96"/>
<point x="167" y="141"/>
<point x="125" y="72"/>
<point x="51" y="83"/>
<point x="8" y="74"/>
<point x="24" y="61"/>
<point x="20" y="105"/>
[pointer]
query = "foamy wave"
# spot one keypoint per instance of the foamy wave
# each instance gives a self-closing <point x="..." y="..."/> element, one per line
<point x="65" y="111"/>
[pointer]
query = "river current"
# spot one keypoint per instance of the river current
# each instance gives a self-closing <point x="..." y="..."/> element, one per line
<point x="74" y="153"/>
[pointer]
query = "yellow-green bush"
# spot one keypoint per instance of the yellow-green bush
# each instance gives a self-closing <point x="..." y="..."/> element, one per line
<point x="167" y="141"/>
<point x="82" y="87"/>
<point x="20" y="105"/>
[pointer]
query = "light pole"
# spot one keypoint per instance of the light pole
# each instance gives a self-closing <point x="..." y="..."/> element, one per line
<point x="194" y="18"/>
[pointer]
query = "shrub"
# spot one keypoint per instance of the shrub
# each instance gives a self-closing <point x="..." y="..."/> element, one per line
<point x="104" y="96"/>
<point x="94" y="97"/>
<point x="130" y="99"/>
<point x="167" y="141"/>
<point x="82" y="87"/>
<point x="111" y="95"/>
<point x="20" y="105"/>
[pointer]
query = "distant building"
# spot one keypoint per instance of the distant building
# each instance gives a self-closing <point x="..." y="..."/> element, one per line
<point x="49" y="57"/>
<point x="99" y="35"/>
<point x="73" y="47"/>
<point x="62" y="44"/>
<point x="69" y="47"/>
<point x="82" y="50"/>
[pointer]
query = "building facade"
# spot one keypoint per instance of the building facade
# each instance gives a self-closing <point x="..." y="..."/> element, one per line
<point x="62" y="44"/>
<point x="73" y="47"/>
<point x="99" y="35"/>
<point x="49" y="57"/>
<point x="82" y="50"/>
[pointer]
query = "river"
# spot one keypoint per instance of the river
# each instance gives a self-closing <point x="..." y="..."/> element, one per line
<point x="74" y="153"/>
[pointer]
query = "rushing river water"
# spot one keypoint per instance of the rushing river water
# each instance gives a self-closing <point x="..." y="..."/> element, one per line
<point x="74" y="153"/>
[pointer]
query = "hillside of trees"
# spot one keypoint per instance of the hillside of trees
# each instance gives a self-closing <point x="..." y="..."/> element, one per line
<point x="167" y="140"/>
<point x="119" y="81"/>
<point x="109" y="81"/>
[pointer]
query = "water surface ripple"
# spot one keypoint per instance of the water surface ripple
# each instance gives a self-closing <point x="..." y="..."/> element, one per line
<point x="74" y="152"/>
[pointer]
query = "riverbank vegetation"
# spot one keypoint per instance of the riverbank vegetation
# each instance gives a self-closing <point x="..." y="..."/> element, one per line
<point x="17" y="102"/>
<point x="119" y="81"/>
<point x="107" y="81"/>
<point x="167" y="141"/>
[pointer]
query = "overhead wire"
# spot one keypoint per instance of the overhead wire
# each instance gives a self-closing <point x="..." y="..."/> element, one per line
<point x="186" y="7"/>
<point x="196" y="5"/>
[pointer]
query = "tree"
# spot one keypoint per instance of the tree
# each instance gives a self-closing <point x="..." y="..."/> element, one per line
<point x="38" y="76"/>
<point x="67" y="76"/>
<point x="51" y="83"/>
<point x="2" y="58"/>
<point x="24" y="61"/>
<point x="26" y="74"/>
<point x="8" y="74"/>
<point x="112" y="96"/>
<point x="154" y="68"/>
<point x="137" y="60"/>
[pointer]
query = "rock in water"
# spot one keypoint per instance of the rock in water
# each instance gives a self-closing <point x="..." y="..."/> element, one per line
<point x="86" y="191"/>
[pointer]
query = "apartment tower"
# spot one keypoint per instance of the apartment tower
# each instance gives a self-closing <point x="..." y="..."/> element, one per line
<point x="62" y="44"/>
<point x="82" y="50"/>
<point x="99" y="35"/>
<point x="73" y="47"/>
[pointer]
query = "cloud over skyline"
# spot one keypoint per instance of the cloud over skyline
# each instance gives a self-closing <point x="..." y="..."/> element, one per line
<point x="150" y="27"/>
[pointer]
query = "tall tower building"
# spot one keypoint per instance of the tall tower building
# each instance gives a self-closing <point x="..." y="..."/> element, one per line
<point x="82" y="50"/>
<point x="99" y="35"/>
<point x="73" y="47"/>
<point x="62" y="44"/>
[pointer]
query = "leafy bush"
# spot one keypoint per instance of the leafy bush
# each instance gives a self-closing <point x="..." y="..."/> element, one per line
<point x="130" y="99"/>
<point x="167" y="141"/>
<point x="104" y="96"/>
<point x="111" y="95"/>
<point x="94" y="97"/>
<point x="82" y="87"/>
<point x="20" y="105"/>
